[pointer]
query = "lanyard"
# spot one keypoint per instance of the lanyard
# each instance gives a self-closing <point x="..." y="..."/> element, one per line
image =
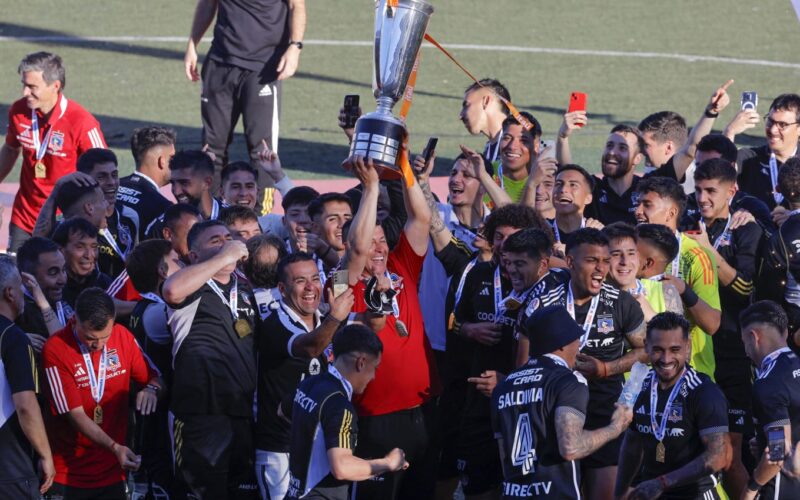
<point x="463" y="280"/>
<point x="214" y="209"/>
<point x="768" y="363"/>
<point x="110" y="238"/>
<point x="151" y="296"/>
<point x="660" y="429"/>
<point x="498" y="294"/>
<point x="500" y="180"/>
<point x="676" y="263"/>
<point x="773" y="178"/>
<point x="97" y="383"/>
<point x="589" y="320"/>
<point x="63" y="315"/>
<point x="41" y="147"/>
<point x="234" y="300"/>
<point x="558" y="234"/>
<point x="725" y="234"/>
<point x="557" y="359"/>
<point x="491" y="151"/>
<point x="395" y="305"/>
<point x="322" y="277"/>
<point x="639" y="288"/>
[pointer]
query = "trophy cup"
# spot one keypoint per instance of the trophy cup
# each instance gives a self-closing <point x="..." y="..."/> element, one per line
<point x="398" y="35"/>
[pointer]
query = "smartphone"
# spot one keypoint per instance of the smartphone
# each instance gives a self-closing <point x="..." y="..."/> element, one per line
<point x="577" y="102"/>
<point x="341" y="282"/>
<point x="543" y="145"/>
<point x="351" y="103"/>
<point x="430" y="148"/>
<point x="749" y="100"/>
<point x="776" y="443"/>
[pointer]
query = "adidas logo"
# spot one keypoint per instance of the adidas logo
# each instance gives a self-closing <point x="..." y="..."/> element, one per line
<point x="740" y="421"/>
<point x="265" y="91"/>
<point x="640" y="411"/>
<point x="80" y="372"/>
<point x="485" y="292"/>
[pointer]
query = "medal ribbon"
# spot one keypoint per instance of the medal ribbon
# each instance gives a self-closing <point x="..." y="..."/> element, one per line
<point x="233" y="303"/>
<point x="395" y="305"/>
<point x="214" y="209"/>
<point x="463" y="280"/>
<point x="151" y="296"/>
<point x="97" y="383"/>
<point x="498" y="295"/>
<point x="721" y="235"/>
<point x="589" y="320"/>
<point x="558" y="234"/>
<point x="676" y="263"/>
<point x="62" y="317"/>
<point x="661" y="428"/>
<point x="773" y="178"/>
<point x="41" y="147"/>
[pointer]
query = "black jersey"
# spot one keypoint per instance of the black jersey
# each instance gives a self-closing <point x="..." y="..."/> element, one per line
<point x="779" y="277"/>
<point x="116" y="241"/>
<point x="141" y="194"/>
<point x="776" y="402"/>
<point x="698" y="409"/>
<point x="279" y="372"/>
<point x="754" y="174"/>
<point x="17" y="374"/>
<point x="740" y="201"/>
<point x="148" y="324"/>
<point x="214" y="363"/>
<point x="74" y="286"/>
<point x="609" y="207"/>
<point x="524" y="416"/>
<point x="322" y="417"/>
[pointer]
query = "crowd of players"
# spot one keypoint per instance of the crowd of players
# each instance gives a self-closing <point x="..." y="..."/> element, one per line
<point x="384" y="344"/>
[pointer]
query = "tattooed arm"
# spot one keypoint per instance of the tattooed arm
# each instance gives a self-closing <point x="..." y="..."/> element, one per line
<point x="575" y="443"/>
<point x="626" y="361"/>
<point x="672" y="299"/>
<point x="630" y="458"/>
<point x="440" y="235"/>
<point x="716" y="456"/>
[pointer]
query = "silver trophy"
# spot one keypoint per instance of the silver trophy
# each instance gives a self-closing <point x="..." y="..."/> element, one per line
<point x="398" y="35"/>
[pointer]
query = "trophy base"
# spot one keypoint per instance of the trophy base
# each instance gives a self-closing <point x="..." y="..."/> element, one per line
<point x="380" y="137"/>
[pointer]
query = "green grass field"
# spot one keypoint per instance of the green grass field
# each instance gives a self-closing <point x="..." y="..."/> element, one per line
<point x="133" y="83"/>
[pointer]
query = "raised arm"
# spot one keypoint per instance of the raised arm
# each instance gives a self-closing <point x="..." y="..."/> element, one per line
<point x="204" y="14"/>
<point x="440" y="234"/>
<point x="542" y="167"/>
<point x="189" y="279"/>
<point x="574" y="442"/>
<point x="497" y="194"/>
<point x="314" y="343"/>
<point x="362" y="227"/>
<point x="572" y="121"/>
<point x="685" y="155"/>
<point x="46" y="219"/>
<point x="419" y="214"/>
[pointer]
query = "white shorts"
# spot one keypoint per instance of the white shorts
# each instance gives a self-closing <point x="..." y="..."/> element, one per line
<point x="272" y="471"/>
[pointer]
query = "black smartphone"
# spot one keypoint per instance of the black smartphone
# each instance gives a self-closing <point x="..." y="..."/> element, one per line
<point x="776" y="444"/>
<point x="351" y="110"/>
<point x="749" y="100"/>
<point x="430" y="148"/>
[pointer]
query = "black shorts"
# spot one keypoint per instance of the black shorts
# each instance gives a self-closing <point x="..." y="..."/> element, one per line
<point x="480" y="476"/>
<point x="410" y="430"/>
<point x="114" y="491"/>
<point x="602" y="396"/>
<point x="734" y="377"/>
<point x="214" y="455"/>
<point x="451" y="406"/>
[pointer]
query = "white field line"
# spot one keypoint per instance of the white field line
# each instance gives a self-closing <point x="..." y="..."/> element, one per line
<point x="454" y="46"/>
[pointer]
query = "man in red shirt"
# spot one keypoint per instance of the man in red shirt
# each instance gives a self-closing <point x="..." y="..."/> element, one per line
<point x="50" y="131"/>
<point x="396" y="409"/>
<point x="89" y="367"/>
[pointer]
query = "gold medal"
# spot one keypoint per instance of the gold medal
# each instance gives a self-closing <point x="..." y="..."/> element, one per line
<point x="661" y="452"/>
<point x="98" y="415"/>
<point x="242" y="328"/>
<point x="40" y="170"/>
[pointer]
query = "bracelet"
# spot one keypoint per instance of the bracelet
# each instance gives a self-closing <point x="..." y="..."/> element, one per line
<point x="752" y="484"/>
<point x="689" y="297"/>
<point x="710" y="114"/>
<point x="153" y="388"/>
<point x="663" y="482"/>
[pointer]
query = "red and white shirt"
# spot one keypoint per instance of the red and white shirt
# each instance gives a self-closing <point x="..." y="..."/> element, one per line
<point x="72" y="131"/>
<point x="78" y="461"/>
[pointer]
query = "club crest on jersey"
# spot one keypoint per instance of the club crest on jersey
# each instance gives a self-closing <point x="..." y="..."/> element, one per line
<point x="725" y="239"/>
<point x="605" y="325"/>
<point x="635" y="199"/>
<point x="675" y="414"/>
<point x="532" y="306"/>
<point x="56" y="141"/>
<point x="113" y="360"/>
<point x="603" y="197"/>
<point x="314" y="367"/>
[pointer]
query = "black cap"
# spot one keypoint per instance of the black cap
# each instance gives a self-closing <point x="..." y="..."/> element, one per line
<point x="549" y="329"/>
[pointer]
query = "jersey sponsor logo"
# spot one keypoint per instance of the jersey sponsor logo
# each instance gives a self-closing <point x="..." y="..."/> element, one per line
<point x="523" y="450"/>
<point x="304" y="402"/>
<point x="605" y="324"/>
<point x="527" y="490"/>
<point x="675" y="432"/>
<point x="526" y="376"/>
<point x="595" y="343"/>
<point x="641" y="411"/>
<point x="265" y="91"/>
<point x="484" y="292"/>
<point x="56" y="141"/>
<point x="519" y="398"/>
<point x="796" y="374"/>
<point x="492" y="318"/>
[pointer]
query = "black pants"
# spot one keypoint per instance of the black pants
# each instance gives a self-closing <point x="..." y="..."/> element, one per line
<point x="114" y="491"/>
<point x="214" y="455"/>
<point x="228" y="93"/>
<point x="412" y="431"/>
<point x="16" y="237"/>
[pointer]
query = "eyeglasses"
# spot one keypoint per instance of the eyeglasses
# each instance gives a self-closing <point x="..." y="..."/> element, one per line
<point x="781" y="125"/>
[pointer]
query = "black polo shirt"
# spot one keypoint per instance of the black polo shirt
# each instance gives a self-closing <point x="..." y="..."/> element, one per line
<point x="322" y="418"/>
<point x="123" y="227"/>
<point x="75" y="286"/>
<point x="214" y="368"/>
<point x="523" y="415"/>
<point x="776" y="402"/>
<point x="699" y="409"/>
<point x="140" y="194"/>
<point x="17" y="374"/>
<point x="279" y="372"/>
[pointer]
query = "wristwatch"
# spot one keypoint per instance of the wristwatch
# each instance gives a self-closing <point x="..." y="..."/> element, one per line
<point x="299" y="44"/>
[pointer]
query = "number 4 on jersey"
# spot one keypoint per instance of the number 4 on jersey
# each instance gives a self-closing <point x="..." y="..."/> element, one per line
<point x="523" y="450"/>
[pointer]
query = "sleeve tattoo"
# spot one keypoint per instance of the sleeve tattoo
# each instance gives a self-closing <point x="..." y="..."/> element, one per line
<point x="574" y="442"/>
<point x="716" y="457"/>
<point x="437" y="224"/>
